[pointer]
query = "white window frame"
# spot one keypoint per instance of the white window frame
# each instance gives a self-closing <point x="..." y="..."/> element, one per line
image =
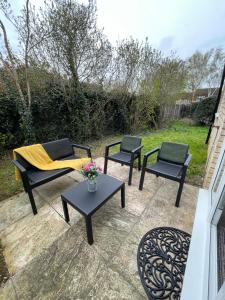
<point x="202" y="257"/>
<point x="213" y="219"/>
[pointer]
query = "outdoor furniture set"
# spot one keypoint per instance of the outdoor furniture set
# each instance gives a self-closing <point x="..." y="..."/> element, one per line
<point x="172" y="163"/>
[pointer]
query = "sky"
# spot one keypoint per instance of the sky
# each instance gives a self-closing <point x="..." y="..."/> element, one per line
<point x="183" y="26"/>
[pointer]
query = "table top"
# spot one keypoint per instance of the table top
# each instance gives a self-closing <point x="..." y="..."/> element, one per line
<point x="86" y="202"/>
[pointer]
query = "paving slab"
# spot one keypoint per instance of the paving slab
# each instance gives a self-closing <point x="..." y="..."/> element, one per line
<point x="53" y="189"/>
<point x="8" y="292"/>
<point x="65" y="270"/>
<point x="125" y="262"/>
<point x="25" y="239"/>
<point x="112" y="285"/>
<point x="17" y="207"/>
<point x="51" y="259"/>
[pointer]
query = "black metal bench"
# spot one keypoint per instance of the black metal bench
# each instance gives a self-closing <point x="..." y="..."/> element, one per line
<point x="32" y="177"/>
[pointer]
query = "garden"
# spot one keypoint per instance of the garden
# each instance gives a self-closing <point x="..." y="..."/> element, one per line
<point x="177" y="131"/>
<point x="62" y="81"/>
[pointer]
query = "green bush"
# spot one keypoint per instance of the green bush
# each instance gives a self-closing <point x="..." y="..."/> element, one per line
<point x="87" y="114"/>
<point x="10" y="131"/>
<point x="204" y="110"/>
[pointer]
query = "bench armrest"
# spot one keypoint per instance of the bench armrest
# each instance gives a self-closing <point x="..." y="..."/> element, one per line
<point x="87" y="148"/>
<point x="19" y="166"/>
<point x="187" y="162"/>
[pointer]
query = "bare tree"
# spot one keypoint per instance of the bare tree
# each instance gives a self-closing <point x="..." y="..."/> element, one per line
<point x="15" y="64"/>
<point x="78" y="48"/>
<point x="204" y="69"/>
<point x="214" y="70"/>
<point x="197" y="71"/>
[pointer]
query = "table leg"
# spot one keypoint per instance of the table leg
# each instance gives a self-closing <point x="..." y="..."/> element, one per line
<point x="89" y="230"/>
<point x="65" y="210"/>
<point x="123" y="195"/>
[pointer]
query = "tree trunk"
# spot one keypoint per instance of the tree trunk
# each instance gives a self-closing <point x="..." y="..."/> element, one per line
<point x="24" y="107"/>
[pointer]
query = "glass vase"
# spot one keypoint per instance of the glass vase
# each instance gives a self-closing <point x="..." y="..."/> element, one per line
<point x="92" y="185"/>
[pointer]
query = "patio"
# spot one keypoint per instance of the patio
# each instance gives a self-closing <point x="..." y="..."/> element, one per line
<point x="49" y="259"/>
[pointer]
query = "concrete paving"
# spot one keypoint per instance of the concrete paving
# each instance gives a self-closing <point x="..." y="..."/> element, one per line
<point x="50" y="259"/>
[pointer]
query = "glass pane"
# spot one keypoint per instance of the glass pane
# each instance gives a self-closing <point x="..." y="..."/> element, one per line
<point x="221" y="240"/>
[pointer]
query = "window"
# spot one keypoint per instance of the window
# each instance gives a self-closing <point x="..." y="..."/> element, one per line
<point x="217" y="231"/>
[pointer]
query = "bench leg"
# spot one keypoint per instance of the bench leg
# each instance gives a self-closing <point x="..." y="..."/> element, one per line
<point x="89" y="230"/>
<point x="179" y="194"/>
<point x="32" y="202"/>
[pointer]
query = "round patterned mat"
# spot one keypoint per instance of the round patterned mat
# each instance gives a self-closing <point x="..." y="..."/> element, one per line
<point x="162" y="256"/>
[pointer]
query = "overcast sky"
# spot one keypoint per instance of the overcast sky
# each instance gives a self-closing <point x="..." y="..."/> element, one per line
<point x="181" y="25"/>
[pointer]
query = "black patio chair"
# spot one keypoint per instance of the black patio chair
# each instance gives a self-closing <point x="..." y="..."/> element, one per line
<point x="172" y="162"/>
<point x="130" y="150"/>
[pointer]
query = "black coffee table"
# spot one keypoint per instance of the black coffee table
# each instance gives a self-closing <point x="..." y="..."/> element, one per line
<point x="88" y="203"/>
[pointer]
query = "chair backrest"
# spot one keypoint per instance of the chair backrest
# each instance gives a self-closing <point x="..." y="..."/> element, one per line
<point x="130" y="143"/>
<point x="173" y="152"/>
<point x="59" y="148"/>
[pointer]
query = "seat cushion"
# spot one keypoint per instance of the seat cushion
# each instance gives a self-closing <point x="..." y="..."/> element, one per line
<point x="58" y="149"/>
<point x="37" y="176"/>
<point x="166" y="168"/>
<point x="122" y="157"/>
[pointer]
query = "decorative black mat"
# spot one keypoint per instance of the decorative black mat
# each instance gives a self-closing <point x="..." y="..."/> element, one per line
<point x="162" y="256"/>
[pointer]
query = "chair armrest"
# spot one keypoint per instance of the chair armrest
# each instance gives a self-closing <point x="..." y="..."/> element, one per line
<point x="19" y="166"/>
<point x="137" y="149"/>
<point x="151" y="152"/>
<point x="186" y="164"/>
<point x="87" y="148"/>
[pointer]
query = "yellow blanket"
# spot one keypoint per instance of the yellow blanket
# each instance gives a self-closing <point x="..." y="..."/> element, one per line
<point x="39" y="158"/>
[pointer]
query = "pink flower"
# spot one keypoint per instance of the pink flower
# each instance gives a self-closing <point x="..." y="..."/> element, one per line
<point x="88" y="166"/>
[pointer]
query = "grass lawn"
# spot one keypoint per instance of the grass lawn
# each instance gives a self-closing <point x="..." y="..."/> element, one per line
<point x="194" y="136"/>
<point x="177" y="132"/>
<point x="9" y="186"/>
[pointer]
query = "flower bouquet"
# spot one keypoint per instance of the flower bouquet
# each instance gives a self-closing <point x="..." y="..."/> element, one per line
<point x="91" y="172"/>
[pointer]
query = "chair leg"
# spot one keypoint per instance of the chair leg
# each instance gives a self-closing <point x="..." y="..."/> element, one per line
<point x="142" y="179"/>
<point x="130" y="174"/>
<point x="105" y="165"/>
<point x="32" y="202"/>
<point x="139" y="162"/>
<point x="179" y="194"/>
